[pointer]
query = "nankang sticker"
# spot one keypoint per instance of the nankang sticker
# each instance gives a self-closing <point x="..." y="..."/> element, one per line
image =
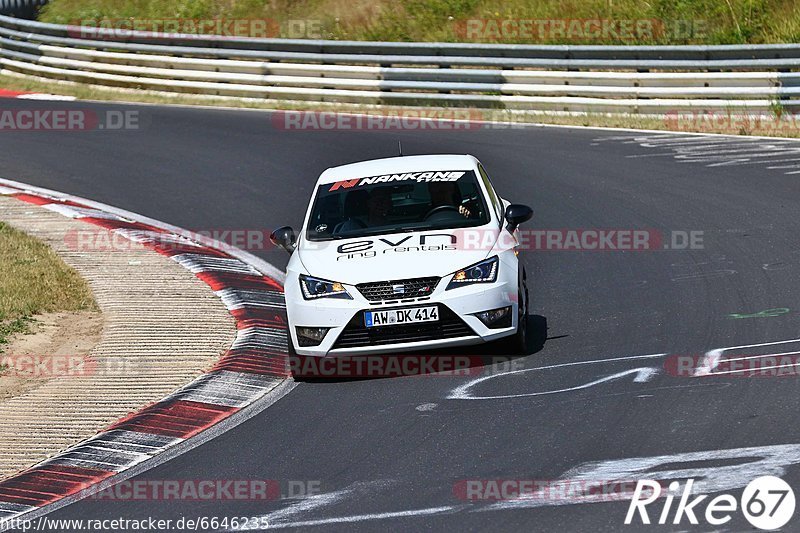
<point x="419" y="177"/>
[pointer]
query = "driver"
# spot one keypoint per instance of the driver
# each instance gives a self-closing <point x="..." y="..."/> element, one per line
<point x="446" y="193"/>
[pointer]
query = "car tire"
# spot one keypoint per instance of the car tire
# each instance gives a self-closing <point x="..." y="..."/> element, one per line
<point x="517" y="344"/>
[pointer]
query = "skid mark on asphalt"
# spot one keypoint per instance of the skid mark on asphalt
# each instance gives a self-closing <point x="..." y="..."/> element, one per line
<point x="766" y="313"/>
<point x="702" y="269"/>
<point x="714" y="151"/>
<point x="713" y="274"/>
<point x="775" y="266"/>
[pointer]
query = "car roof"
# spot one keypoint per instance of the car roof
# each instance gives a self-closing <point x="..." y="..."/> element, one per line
<point x="398" y="165"/>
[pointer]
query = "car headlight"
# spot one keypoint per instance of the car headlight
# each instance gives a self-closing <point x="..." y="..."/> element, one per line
<point x="483" y="272"/>
<point x="314" y="288"/>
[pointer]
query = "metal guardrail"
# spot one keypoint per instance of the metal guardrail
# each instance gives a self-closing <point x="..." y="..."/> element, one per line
<point x="638" y="79"/>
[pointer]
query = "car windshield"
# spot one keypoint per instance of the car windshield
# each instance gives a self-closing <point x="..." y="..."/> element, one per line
<point x="393" y="203"/>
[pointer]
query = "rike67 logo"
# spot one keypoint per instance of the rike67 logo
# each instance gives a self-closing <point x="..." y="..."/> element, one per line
<point x="767" y="503"/>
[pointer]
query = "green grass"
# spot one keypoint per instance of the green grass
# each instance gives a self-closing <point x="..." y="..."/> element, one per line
<point x="34" y="280"/>
<point x="717" y="21"/>
<point x="12" y="327"/>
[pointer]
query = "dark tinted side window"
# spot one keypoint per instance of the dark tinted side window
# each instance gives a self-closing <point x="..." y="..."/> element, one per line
<point x="497" y="205"/>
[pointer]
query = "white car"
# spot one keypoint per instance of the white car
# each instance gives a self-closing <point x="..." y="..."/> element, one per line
<point x="403" y="254"/>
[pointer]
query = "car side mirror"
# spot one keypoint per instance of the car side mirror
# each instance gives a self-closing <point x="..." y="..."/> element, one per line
<point x="285" y="238"/>
<point x="516" y="214"/>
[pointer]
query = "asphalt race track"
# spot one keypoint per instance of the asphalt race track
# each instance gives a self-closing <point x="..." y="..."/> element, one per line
<point x="389" y="454"/>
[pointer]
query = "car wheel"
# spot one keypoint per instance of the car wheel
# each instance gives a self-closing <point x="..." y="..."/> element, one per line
<point x="517" y="344"/>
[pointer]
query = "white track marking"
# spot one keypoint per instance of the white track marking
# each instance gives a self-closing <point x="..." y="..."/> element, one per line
<point x="672" y="141"/>
<point x="751" y="357"/>
<point x="276" y="519"/>
<point x="712" y="358"/>
<point x="48" y="97"/>
<point x="368" y="517"/>
<point x="759" y="369"/>
<point x="643" y="374"/>
<point x="761" y="162"/>
<point x="719" y="147"/>
<point x="793" y="160"/>
<point x="640" y="156"/>
<point x="743" y="150"/>
<point x="740" y="150"/>
<point x="743" y="465"/>
<point x="592" y="362"/>
<point x="714" y="151"/>
<point x="309" y="503"/>
<point x="734" y="159"/>
<point x="750" y="463"/>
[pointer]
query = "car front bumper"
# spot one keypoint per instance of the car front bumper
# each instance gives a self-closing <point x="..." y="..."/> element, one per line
<point x="462" y="303"/>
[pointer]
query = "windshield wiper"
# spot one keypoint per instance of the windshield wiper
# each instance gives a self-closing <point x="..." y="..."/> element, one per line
<point x="406" y="229"/>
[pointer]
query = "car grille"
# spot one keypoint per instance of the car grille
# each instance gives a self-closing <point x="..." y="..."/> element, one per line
<point x="398" y="289"/>
<point x="356" y="334"/>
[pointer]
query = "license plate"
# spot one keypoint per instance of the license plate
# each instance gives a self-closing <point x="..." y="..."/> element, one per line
<point x="394" y="317"/>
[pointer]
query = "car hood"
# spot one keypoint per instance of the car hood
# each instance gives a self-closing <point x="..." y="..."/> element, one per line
<point x="395" y="256"/>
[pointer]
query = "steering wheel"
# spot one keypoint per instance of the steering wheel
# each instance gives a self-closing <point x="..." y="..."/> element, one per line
<point x="441" y="209"/>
